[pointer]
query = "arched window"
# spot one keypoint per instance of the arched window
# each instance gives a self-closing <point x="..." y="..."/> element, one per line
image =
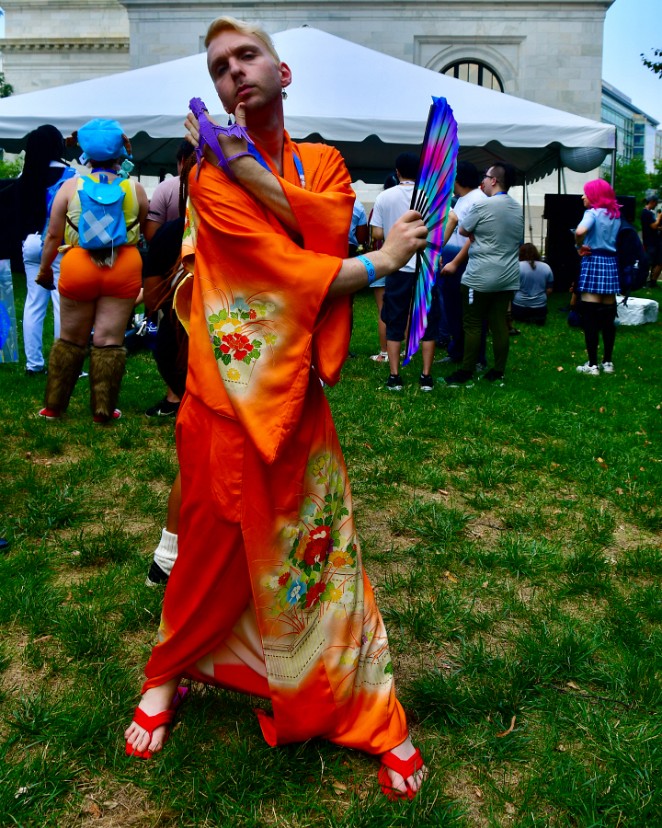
<point x="474" y="72"/>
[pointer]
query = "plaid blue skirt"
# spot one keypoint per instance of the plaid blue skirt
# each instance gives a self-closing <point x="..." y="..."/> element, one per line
<point x="599" y="274"/>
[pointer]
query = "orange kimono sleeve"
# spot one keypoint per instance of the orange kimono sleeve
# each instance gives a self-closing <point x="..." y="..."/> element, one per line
<point x="260" y="317"/>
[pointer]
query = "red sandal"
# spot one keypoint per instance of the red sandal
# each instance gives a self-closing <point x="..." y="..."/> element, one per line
<point x="150" y="723"/>
<point x="405" y="767"/>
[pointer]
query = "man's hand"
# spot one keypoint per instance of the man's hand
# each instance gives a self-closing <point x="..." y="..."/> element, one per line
<point x="227" y="145"/>
<point x="407" y="236"/>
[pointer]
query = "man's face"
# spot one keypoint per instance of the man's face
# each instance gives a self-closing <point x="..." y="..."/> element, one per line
<point x="489" y="183"/>
<point x="243" y="71"/>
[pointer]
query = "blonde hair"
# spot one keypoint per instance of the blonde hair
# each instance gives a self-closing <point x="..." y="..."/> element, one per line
<point x="231" y="24"/>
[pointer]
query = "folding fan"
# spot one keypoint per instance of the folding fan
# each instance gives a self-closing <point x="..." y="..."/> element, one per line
<point x="431" y="197"/>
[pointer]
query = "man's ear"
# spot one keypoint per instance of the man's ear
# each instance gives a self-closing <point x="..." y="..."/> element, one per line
<point x="285" y="75"/>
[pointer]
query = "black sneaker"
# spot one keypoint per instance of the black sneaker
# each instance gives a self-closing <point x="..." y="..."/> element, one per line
<point x="156" y="576"/>
<point x="425" y="382"/>
<point x="459" y="377"/>
<point x="394" y="382"/>
<point x="492" y="375"/>
<point x="164" y="408"/>
<point x="35" y="372"/>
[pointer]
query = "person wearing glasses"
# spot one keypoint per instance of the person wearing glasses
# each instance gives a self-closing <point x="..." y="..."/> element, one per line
<point x="495" y="228"/>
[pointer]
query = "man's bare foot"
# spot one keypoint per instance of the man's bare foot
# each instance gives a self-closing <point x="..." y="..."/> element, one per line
<point x="154" y="701"/>
<point x="406" y="786"/>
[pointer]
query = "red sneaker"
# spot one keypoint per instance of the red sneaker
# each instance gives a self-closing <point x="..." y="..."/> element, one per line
<point x="50" y="414"/>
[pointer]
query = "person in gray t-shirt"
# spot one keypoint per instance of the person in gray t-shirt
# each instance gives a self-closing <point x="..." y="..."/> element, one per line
<point x="495" y="228"/>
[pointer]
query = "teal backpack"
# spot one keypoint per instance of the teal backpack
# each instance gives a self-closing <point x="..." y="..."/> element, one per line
<point x="102" y="224"/>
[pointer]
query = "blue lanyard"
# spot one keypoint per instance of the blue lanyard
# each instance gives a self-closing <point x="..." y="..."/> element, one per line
<point x="255" y="152"/>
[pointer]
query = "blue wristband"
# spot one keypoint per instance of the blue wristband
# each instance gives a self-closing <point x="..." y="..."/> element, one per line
<point x="369" y="266"/>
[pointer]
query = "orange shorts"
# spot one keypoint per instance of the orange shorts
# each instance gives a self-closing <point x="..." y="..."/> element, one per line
<point x="84" y="281"/>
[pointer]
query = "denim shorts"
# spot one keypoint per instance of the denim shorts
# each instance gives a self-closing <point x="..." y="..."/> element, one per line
<point x="397" y="307"/>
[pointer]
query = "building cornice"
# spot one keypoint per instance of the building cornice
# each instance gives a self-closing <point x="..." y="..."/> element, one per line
<point x="470" y="40"/>
<point x="72" y="44"/>
<point x="277" y="6"/>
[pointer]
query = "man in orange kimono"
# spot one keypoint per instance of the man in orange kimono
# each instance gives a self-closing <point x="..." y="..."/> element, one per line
<point x="268" y="594"/>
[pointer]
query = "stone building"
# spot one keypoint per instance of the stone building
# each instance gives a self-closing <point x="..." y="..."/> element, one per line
<point x="548" y="51"/>
<point x="53" y="42"/>
<point x="545" y="51"/>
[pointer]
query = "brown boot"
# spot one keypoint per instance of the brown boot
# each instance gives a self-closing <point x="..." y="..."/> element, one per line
<point x="106" y="371"/>
<point x="64" y="366"/>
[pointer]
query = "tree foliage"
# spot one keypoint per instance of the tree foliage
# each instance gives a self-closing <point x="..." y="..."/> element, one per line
<point x="631" y="177"/>
<point x="631" y="180"/>
<point x="10" y="169"/>
<point x="655" y="178"/>
<point x="6" y="89"/>
<point x="654" y="65"/>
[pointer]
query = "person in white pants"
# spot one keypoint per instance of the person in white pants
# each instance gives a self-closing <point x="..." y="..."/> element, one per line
<point x="43" y="168"/>
<point x="36" y="305"/>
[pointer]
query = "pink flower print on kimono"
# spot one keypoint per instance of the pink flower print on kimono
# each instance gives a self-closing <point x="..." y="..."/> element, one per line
<point x="239" y="333"/>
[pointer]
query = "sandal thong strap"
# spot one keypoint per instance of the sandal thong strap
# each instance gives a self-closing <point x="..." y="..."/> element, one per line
<point x="208" y="137"/>
<point x="150" y="723"/>
<point x="405" y="767"/>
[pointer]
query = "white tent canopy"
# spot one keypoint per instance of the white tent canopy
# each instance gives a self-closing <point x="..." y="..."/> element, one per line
<point x="370" y="105"/>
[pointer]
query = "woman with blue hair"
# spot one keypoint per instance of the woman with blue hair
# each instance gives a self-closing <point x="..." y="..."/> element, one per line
<point x="98" y="287"/>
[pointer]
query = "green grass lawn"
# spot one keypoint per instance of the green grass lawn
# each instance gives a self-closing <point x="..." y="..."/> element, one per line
<point x="513" y="537"/>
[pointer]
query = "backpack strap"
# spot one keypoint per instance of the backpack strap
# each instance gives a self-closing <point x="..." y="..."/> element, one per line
<point x="136" y="221"/>
<point x="79" y="186"/>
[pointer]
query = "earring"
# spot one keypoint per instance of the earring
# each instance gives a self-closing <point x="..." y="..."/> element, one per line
<point x="284" y="94"/>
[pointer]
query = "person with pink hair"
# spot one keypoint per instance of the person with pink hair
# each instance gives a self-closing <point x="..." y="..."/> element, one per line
<point x="595" y="239"/>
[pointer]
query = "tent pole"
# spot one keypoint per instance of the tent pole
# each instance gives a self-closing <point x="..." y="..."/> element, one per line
<point x="613" y="159"/>
<point x="530" y="225"/>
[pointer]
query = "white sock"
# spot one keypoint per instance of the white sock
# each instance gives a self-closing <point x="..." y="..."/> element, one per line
<point x="165" y="553"/>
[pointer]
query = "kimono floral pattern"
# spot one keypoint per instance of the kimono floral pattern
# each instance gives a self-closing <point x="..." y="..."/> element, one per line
<point x="316" y="546"/>
<point x="239" y="334"/>
<point x="320" y="582"/>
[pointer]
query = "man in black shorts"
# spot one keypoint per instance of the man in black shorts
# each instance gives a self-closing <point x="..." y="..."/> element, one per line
<point x="389" y="206"/>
